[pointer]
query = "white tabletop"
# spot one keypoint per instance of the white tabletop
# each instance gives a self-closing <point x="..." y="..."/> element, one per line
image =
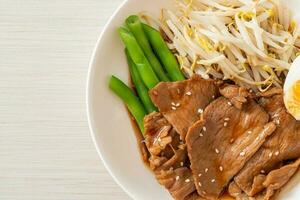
<point x="45" y="147"/>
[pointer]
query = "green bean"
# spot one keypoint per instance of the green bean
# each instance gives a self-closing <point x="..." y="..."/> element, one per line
<point x="165" y="55"/>
<point x="132" y="102"/>
<point x="134" y="24"/>
<point x="141" y="89"/>
<point x="136" y="53"/>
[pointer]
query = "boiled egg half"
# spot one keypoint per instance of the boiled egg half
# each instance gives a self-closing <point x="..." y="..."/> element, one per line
<point x="291" y="89"/>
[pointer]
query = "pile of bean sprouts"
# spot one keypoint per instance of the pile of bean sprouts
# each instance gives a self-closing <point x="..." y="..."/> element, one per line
<point x="251" y="42"/>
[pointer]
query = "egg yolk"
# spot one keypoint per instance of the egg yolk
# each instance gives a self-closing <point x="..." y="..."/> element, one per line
<point x="293" y="103"/>
<point x="296" y="91"/>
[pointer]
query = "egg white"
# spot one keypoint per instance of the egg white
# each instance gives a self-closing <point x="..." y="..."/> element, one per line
<point x="292" y="77"/>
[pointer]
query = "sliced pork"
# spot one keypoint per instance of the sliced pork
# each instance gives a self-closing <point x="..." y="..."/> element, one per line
<point x="221" y="143"/>
<point x="272" y="183"/>
<point x="201" y="144"/>
<point x="236" y="95"/>
<point x="182" y="102"/>
<point x="282" y="146"/>
<point x="179" y="182"/>
<point x="276" y="179"/>
<point x="168" y="156"/>
<point x="237" y="193"/>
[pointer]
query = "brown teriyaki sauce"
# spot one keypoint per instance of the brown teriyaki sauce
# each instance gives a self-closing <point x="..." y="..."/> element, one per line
<point x="144" y="153"/>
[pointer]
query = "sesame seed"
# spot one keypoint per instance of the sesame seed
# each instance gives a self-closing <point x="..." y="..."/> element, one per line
<point x="201" y="135"/>
<point x="249" y="132"/>
<point x="177" y="104"/>
<point x="187" y="180"/>
<point x="206" y="170"/>
<point x="250" y="90"/>
<point x="232" y="140"/>
<point x="276" y="153"/>
<point x="200" y="184"/>
<point x="257" y="138"/>
<point x="199" y="175"/>
<point x="217" y="151"/>
<point x="213" y="180"/>
<point x="200" y="110"/>
<point x="262" y="171"/>
<point x="177" y="178"/>
<point x="204" y="128"/>
<point x="221" y="168"/>
<point x="159" y="139"/>
<point x="188" y="93"/>
<point x="173" y="108"/>
<point x="270" y="155"/>
<point x="181" y="164"/>
<point x="229" y="103"/>
<point x="173" y="104"/>
<point x="226" y="119"/>
<point x="277" y="121"/>
<point x="203" y="192"/>
<point x="213" y="96"/>
<point x="178" y="91"/>
<point x="225" y="124"/>
<point x="242" y="153"/>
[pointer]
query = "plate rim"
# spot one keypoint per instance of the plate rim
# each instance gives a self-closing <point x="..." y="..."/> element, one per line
<point x="89" y="93"/>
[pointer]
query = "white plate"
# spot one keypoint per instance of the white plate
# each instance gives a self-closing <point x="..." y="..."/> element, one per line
<point x="109" y="123"/>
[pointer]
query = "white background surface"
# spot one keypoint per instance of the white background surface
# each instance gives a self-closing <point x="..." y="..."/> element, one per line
<point x="45" y="147"/>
